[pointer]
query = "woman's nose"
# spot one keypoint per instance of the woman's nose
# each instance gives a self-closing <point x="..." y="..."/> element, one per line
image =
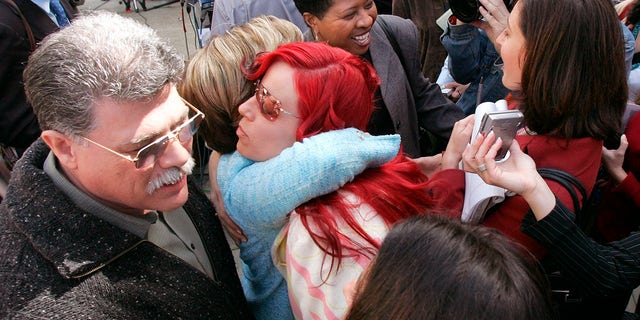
<point x="247" y="109"/>
<point x="366" y="19"/>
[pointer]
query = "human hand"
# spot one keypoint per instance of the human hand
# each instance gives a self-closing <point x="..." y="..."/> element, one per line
<point x="460" y="136"/>
<point x="518" y="173"/>
<point x="456" y="90"/>
<point x="234" y="231"/>
<point x="514" y="174"/>
<point x="429" y="165"/>
<point x="613" y="160"/>
<point x="495" y="21"/>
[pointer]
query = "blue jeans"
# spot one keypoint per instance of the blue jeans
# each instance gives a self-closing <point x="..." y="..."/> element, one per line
<point x="473" y="59"/>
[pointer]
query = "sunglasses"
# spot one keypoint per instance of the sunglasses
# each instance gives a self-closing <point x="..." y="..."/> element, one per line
<point x="151" y="152"/>
<point x="269" y="105"/>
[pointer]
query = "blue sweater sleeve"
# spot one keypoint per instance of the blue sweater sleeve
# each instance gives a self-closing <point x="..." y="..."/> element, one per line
<point x="259" y="195"/>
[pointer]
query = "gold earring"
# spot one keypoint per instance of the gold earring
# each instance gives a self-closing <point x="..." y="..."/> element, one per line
<point x="315" y="35"/>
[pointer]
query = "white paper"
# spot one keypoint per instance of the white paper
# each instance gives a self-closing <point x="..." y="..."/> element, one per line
<point x="478" y="195"/>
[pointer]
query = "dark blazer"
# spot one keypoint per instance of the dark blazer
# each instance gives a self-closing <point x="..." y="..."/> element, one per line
<point x="412" y="100"/>
<point x="59" y="262"/>
<point x="18" y="124"/>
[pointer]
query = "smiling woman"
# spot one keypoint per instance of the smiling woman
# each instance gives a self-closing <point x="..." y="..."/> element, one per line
<point x="406" y="102"/>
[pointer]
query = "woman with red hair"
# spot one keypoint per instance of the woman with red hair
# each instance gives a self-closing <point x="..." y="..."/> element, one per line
<point x="303" y="89"/>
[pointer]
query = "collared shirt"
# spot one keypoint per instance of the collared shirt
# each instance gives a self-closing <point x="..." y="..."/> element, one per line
<point x="172" y="231"/>
<point x="44" y="5"/>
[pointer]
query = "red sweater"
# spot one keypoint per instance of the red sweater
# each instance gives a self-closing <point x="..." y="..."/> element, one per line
<point x="579" y="157"/>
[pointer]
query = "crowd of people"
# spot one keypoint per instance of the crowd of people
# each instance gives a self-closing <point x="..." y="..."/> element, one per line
<point x="336" y="165"/>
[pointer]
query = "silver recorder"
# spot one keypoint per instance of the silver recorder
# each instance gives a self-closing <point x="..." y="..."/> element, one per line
<point x="504" y="124"/>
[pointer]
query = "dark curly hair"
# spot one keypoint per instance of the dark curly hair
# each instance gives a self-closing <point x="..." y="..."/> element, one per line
<point x="316" y="7"/>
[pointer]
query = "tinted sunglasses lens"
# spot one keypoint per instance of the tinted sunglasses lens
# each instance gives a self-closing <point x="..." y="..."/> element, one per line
<point x="267" y="105"/>
<point x="269" y="108"/>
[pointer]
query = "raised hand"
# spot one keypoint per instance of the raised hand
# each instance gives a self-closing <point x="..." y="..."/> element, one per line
<point x="518" y="173"/>
<point x="495" y="20"/>
<point x="613" y="160"/>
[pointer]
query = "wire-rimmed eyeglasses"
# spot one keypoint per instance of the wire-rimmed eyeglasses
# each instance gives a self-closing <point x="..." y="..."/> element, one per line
<point x="151" y="152"/>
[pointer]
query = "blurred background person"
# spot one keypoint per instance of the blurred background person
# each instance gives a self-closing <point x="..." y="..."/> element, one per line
<point x="24" y="24"/>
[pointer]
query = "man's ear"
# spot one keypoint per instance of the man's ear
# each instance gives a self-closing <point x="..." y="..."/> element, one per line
<point x="310" y="20"/>
<point x="62" y="146"/>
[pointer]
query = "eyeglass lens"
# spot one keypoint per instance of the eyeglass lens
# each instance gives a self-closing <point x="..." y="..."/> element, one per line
<point x="269" y="105"/>
<point x="148" y="154"/>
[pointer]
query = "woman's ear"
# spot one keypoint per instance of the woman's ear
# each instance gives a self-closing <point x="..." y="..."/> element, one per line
<point x="310" y="20"/>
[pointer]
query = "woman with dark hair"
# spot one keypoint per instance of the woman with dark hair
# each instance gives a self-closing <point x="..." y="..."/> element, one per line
<point x="302" y="90"/>
<point x="432" y="267"/>
<point x="597" y="271"/>
<point x="406" y="101"/>
<point x="570" y="85"/>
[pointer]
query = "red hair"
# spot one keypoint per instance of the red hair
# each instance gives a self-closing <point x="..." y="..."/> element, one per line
<point x="335" y="88"/>
<point x="336" y="91"/>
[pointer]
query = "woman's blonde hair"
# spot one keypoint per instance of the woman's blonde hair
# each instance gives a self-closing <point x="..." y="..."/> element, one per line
<point x="214" y="81"/>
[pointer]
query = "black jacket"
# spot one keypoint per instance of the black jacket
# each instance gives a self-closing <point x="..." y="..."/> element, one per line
<point x="18" y="124"/>
<point x="59" y="262"/>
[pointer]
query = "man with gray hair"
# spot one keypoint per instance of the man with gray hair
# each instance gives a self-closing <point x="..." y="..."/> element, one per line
<point x="99" y="219"/>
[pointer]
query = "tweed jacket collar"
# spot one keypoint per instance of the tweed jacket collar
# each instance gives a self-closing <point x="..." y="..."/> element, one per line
<point x="56" y="227"/>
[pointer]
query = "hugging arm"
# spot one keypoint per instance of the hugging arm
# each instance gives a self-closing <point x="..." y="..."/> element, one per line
<point x="234" y="231"/>
<point x="626" y="183"/>
<point x="265" y="192"/>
